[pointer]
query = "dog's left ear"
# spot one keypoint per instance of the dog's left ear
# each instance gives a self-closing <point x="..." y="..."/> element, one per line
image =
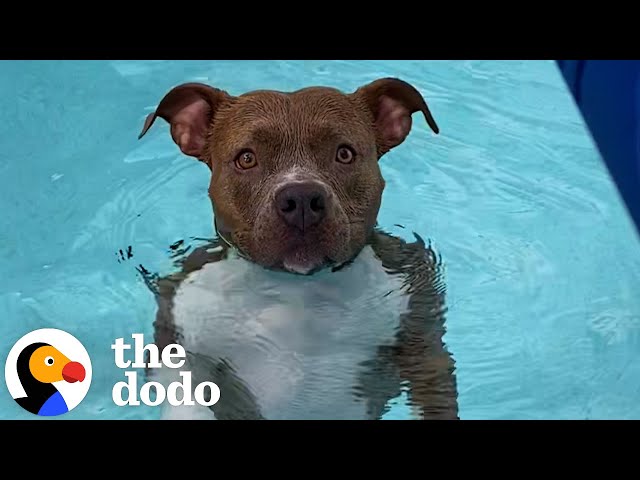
<point x="391" y="102"/>
<point x="190" y="109"/>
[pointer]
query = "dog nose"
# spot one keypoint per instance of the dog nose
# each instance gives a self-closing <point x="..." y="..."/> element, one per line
<point x="302" y="205"/>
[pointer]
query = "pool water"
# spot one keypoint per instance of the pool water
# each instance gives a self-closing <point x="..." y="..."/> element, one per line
<point x="542" y="262"/>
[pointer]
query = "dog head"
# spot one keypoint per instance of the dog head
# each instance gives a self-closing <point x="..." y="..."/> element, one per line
<point x="295" y="180"/>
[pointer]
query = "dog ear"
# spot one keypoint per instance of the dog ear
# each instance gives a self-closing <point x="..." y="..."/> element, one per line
<point x="189" y="109"/>
<point x="391" y="102"/>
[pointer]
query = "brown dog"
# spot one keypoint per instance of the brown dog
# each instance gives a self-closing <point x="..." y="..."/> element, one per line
<point x="296" y="187"/>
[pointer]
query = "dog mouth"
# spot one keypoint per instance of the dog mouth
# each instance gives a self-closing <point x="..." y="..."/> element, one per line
<point x="304" y="259"/>
<point x="306" y="268"/>
<point x="291" y="254"/>
<point x="306" y="253"/>
<point x="277" y="246"/>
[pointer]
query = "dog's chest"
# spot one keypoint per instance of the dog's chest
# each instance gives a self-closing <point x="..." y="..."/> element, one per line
<point x="299" y="343"/>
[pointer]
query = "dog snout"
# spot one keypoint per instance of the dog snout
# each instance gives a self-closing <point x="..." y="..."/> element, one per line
<point x="302" y="204"/>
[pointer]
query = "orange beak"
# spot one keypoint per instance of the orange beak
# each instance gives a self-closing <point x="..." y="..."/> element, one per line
<point x="73" y="372"/>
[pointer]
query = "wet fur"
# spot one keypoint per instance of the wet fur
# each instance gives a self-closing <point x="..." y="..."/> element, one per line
<point x="418" y="356"/>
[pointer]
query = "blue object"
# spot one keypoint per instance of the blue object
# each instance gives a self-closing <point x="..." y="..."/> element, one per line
<point x="55" y="405"/>
<point x="607" y="93"/>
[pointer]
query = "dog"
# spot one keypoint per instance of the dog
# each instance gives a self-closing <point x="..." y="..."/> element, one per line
<point x="302" y="307"/>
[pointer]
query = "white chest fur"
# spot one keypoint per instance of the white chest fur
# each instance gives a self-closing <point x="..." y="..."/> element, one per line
<point x="297" y="342"/>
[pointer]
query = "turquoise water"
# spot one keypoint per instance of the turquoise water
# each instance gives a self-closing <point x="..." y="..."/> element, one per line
<point x="542" y="263"/>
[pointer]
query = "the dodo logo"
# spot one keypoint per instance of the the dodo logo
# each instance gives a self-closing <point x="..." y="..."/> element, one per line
<point x="48" y="372"/>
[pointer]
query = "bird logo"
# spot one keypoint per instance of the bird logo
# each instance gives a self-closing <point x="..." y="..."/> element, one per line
<point x="48" y="372"/>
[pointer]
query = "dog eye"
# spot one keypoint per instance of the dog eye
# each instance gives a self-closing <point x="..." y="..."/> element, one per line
<point x="246" y="160"/>
<point x="345" y="154"/>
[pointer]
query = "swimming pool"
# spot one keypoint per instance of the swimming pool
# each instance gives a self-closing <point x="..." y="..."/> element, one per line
<point x="542" y="263"/>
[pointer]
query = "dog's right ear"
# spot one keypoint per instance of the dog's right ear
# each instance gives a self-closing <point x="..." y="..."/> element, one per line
<point x="189" y="109"/>
<point x="391" y="102"/>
